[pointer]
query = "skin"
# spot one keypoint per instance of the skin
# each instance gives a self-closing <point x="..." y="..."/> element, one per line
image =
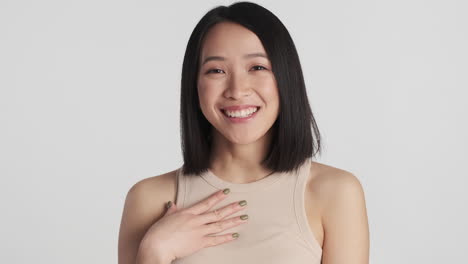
<point x="236" y="80"/>
<point x="334" y="199"/>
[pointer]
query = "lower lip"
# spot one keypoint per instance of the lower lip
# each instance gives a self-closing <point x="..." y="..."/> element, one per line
<point x="241" y="119"/>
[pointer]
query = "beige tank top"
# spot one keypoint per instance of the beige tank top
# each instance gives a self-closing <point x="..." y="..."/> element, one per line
<point x="277" y="231"/>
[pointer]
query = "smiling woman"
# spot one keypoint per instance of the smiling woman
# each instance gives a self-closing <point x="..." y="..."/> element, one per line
<point x="248" y="137"/>
<point x="240" y="101"/>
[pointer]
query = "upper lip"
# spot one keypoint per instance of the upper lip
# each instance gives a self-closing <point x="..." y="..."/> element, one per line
<point x="238" y="107"/>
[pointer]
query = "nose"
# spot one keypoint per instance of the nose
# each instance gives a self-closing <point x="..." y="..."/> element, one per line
<point x="237" y="87"/>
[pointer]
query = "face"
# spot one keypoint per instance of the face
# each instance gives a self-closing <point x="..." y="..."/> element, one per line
<point x="229" y="79"/>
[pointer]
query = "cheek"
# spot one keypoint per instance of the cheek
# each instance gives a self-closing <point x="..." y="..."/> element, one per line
<point x="208" y="95"/>
<point x="269" y="91"/>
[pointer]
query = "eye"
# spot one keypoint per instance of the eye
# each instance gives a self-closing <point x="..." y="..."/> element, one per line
<point x="212" y="70"/>
<point x="256" y="66"/>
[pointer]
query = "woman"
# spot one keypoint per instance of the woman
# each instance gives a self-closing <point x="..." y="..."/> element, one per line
<point x="248" y="191"/>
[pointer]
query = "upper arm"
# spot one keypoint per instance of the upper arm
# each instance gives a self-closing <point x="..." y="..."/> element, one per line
<point x="345" y="222"/>
<point x="144" y="205"/>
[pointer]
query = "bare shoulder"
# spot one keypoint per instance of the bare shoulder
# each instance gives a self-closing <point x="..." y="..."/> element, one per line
<point x="149" y="195"/>
<point x="144" y="205"/>
<point x="343" y="214"/>
<point x="330" y="185"/>
<point x="328" y="181"/>
<point x="162" y="186"/>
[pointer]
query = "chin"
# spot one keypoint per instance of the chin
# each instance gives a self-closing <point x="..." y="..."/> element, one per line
<point x="243" y="139"/>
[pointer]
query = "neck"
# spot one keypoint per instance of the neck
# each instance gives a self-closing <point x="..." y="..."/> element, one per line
<point x="239" y="163"/>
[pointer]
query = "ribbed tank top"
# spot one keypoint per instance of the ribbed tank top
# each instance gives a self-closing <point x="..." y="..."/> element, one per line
<point x="277" y="231"/>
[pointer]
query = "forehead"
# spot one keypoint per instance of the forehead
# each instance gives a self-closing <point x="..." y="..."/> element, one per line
<point x="230" y="39"/>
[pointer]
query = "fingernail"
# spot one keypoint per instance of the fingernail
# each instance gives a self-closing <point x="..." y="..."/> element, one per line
<point x="226" y="191"/>
<point x="244" y="217"/>
<point x="168" y="204"/>
<point x="243" y="203"/>
<point x="235" y="235"/>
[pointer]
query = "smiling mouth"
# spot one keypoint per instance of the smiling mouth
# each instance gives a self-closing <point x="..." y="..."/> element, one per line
<point x="240" y="116"/>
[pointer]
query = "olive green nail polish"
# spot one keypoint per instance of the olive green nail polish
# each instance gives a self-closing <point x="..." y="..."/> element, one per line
<point x="226" y="191"/>
<point x="243" y="203"/>
<point x="244" y="217"/>
<point x="235" y="235"/>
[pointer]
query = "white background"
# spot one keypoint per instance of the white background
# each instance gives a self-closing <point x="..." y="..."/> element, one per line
<point x="89" y="105"/>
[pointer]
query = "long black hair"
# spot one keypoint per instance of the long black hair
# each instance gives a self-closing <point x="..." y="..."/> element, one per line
<point x="292" y="141"/>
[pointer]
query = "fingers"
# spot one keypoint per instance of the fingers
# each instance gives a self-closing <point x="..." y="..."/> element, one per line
<point x="170" y="208"/>
<point x="212" y="228"/>
<point x="221" y="239"/>
<point x="219" y="214"/>
<point x="220" y="226"/>
<point x="206" y="204"/>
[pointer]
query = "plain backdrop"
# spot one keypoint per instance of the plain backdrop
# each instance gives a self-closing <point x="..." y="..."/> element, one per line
<point x="89" y="105"/>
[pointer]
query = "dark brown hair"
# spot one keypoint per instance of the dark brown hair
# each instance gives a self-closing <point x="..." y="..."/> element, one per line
<point x="292" y="141"/>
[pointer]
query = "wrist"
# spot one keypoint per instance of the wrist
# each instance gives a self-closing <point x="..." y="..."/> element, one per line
<point x="148" y="254"/>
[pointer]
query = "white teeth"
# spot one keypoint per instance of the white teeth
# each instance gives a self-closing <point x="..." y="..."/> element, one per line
<point x="242" y="113"/>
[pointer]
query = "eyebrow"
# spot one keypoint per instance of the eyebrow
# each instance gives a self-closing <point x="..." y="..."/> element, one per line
<point x="247" y="56"/>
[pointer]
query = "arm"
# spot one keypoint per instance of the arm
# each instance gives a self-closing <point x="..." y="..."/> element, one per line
<point x="346" y="238"/>
<point x="145" y="256"/>
<point x="144" y="205"/>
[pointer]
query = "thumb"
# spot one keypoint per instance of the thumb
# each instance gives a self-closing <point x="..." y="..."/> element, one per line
<point x="170" y="207"/>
